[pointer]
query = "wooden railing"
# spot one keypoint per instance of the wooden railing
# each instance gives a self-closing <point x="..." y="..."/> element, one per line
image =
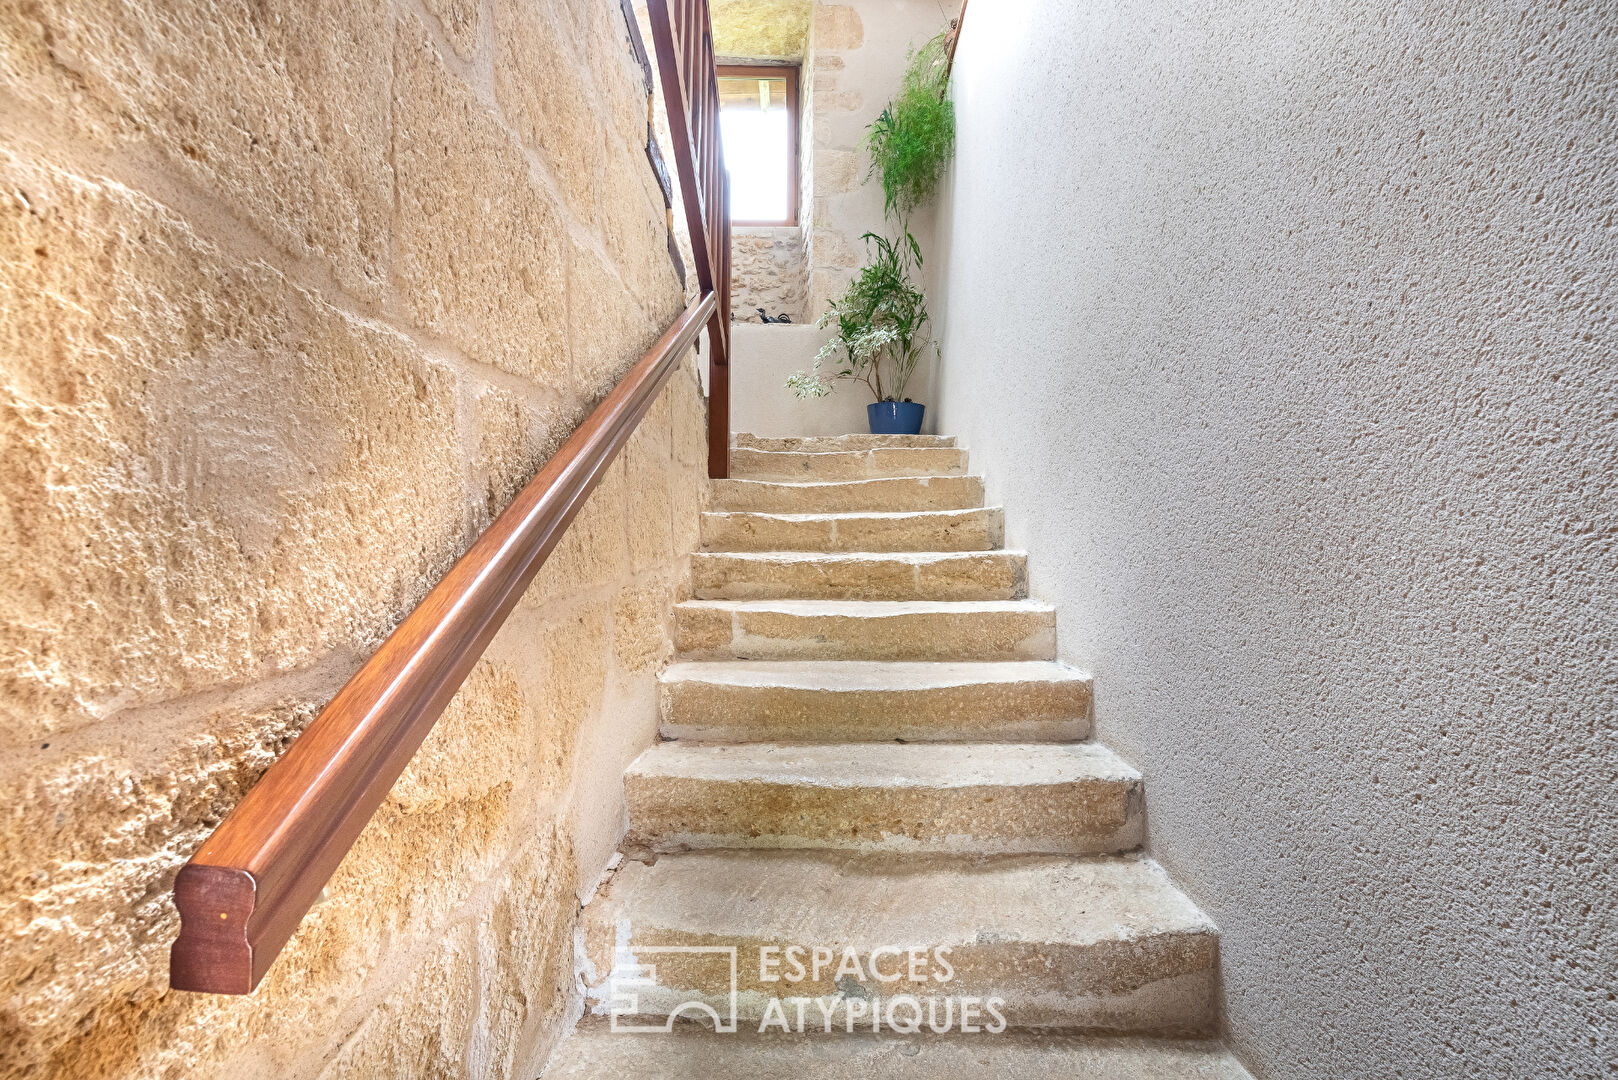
<point x="955" y="26"/>
<point x="683" y="38"/>
<point x="248" y="887"/>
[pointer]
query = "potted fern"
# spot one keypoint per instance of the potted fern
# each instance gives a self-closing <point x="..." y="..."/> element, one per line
<point x="880" y="319"/>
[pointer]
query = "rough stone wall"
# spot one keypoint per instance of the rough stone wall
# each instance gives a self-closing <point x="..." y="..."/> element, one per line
<point x="293" y="298"/>
<point x="1286" y="336"/>
<point x="760" y="29"/>
<point x="766" y="271"/>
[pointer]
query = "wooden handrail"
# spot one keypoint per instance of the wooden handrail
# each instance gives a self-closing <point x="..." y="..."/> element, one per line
<point x="954" y="39"/>
<point x="246" y="889"/>
<point x="250" y="884"/>
<point x="682" y="36"/>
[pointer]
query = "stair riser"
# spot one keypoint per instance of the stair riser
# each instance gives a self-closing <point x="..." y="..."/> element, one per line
<point x="1164" y="985"/>
<point x="719" y="634"/>
<point x="683" y="813"/>
<point x="959" y="530"/>
<point x="863" y="496"/>
<point x="976" y="712"/>
<point x="752" y="464"/>
<point x="967" y="576"/>
<point x="828" y="444"/>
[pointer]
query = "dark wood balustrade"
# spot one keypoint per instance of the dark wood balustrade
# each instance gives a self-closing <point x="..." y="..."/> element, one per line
<point x="248" y="887"/>
<point x="682" y="36"/>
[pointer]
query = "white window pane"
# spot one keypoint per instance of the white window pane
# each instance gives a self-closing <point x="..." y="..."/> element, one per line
<point x="756" y="129"/>
<point x="757" y="150"/>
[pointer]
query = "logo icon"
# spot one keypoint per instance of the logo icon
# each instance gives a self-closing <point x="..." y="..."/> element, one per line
<point x="633" y="975"/>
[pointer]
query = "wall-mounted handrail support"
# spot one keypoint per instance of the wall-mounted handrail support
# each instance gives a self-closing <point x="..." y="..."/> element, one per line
<point x="249" y="885"/>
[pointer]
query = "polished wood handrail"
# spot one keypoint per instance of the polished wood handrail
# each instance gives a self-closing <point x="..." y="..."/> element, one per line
<point x="682" y="37"/>
<point x="246" y="889"/>
<point x="244" y="892"/>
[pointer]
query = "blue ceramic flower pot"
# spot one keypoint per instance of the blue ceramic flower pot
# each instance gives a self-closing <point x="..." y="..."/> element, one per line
<point x="895" y="417"/>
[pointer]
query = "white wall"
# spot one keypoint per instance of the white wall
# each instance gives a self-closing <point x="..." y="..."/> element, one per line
<point x="1285" y="334"/>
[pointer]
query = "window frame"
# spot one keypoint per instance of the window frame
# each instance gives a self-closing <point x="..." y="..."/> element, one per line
<point x="791" y="73"/>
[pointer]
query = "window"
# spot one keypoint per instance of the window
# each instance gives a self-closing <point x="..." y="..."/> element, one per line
<point x="758" y="122"/>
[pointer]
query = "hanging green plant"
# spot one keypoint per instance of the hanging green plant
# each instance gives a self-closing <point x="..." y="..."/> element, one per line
<point x="913" y="139"/>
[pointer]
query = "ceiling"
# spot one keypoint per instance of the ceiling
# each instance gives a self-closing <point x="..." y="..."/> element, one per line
<point x="760" y="29"/>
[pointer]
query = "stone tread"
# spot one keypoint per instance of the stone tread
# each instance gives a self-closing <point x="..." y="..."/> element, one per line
<point x="595" y="1053"/>
<point x="859" y="575"/>
<point x="858" y="700"/>
<point x="976" y="529"/>
<point x="896" y="493"/>
<point x="833" y="443"/>
<point x="1102" y="943"/>
<point x="880" y="630"/>
<point x="874" y="752"/>
<point x="887" y="765"/>
<point x="938" y="797"/>
<point x="750" y="463"/>
<point x="875" y="675"/>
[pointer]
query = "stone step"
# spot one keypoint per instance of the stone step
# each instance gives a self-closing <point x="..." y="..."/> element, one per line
<point x="1101" y="944"/>
<point x="982" y="529"/>
<point x="903" y="493"/>
<point x="895" y="575"/>
<point x="963" y="798"/>
<point x="865" y="630"/>
<point x="825" y="444"/>
<point x="747" y="463"/>
<point x="595" y="1052"/>
<point x="853" y="701"/>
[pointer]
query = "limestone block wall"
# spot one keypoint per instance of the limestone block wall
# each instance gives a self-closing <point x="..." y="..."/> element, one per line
<point x="293" y="297"/>
<point x="1286" y="337"/>
<point x="767" y="271"/>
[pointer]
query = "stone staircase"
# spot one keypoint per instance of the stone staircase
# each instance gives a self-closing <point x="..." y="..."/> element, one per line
<point x="871" y="750"/>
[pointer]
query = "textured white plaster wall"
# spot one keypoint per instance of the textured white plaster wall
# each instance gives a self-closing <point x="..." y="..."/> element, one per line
<point x="1285" y="334"/>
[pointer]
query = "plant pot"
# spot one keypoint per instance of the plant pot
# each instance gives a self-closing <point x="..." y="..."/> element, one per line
<point x="895" y="417"/>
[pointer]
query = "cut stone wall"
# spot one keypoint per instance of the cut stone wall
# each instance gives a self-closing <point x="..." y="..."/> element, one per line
<point x="293" y="298"/>
<point x="767" y="271"/>
<point x="1285" y="334"/>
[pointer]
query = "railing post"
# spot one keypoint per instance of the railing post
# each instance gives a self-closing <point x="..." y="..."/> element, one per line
<point x="719" y="352"/>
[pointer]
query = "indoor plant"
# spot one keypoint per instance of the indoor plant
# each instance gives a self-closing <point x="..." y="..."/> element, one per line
<point x="880" y="318"/>
<point x="914" y="137"/>
<point x="878" y="338"/>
